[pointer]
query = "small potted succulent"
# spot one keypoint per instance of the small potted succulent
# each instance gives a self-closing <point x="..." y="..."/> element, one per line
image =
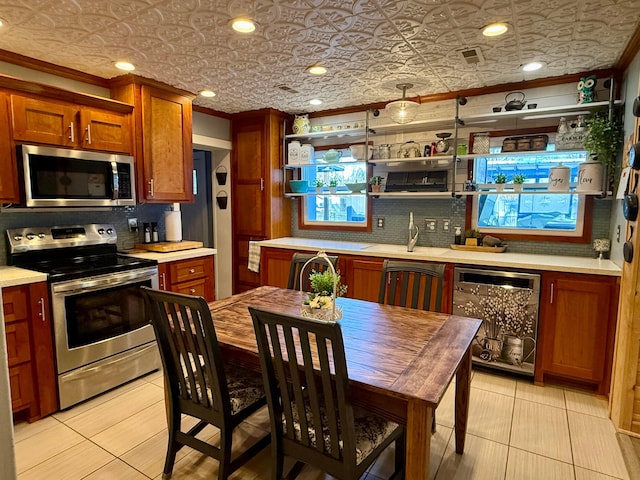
<point x="376" y="183"/>
<point x="333" y="183"/>
<point x="472" y="237"/>
<point x="518" y="180"/>
<point x="500" y="179"/>
<point x="319" y="184"/>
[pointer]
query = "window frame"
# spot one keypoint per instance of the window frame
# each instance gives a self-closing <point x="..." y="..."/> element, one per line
<point x="587" y="208"/>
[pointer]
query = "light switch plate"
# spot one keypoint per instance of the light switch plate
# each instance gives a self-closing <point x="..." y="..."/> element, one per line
<point x="446" y="225"/>
<point x="133" y="224"/>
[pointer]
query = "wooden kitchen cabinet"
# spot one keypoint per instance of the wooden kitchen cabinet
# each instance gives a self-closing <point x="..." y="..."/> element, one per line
<point x="163" y="138"/>
<point x="30" y="350"/>
<point x="64" y="124"/>
<point x="259" y="209"/>
<point x="193" y="276"/>
<point x="577" y="328"/>
<point x="9" y="191"/>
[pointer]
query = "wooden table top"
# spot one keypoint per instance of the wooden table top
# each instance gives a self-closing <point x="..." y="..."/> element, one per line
<point x="404" y="352"/>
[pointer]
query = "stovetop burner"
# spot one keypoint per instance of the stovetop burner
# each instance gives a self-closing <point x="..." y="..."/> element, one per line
<point x="68" y="253"/>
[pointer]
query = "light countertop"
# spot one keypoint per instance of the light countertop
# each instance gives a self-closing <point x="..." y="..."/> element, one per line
<point x="173" y="256"/>
<point x="12" y="276"/>
<point x="554" y="263"/>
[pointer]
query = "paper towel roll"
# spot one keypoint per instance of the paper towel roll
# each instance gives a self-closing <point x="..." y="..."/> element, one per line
<point x="173" y="226"/>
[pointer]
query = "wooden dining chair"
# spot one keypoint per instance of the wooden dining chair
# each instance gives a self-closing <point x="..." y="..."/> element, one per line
<point x="413" y="285"/>
<point x="312" y="419"/>
<point x="198" y="383"/>
<point x="297" y="263"/>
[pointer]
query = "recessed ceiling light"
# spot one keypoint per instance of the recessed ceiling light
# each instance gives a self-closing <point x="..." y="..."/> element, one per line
<point x="243" y="25"/>
<point x="317" y="70"/>
<point x="495" y="29"/>
<point x="530" y="67"/>
<point x="207" y="93"/>
<point x="126" y="66"/>
<point x="315" y="101"/>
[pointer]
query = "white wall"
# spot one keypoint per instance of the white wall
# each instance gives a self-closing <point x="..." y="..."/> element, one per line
<point x="7" y="456"/>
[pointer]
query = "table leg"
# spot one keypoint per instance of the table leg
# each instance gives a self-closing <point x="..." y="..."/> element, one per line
<point x="418" y="429"/>
<point x="463" y="389"/>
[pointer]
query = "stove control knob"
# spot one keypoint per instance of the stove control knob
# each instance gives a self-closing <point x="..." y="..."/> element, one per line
<point x="101" y="231"/>
<point x="109" y="231"/>
<point x="41" y="235"/>
<point x="31" y="236"/>
<point x="18" y="238"/>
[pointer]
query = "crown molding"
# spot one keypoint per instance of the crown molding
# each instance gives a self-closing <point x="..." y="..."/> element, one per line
<point x="630" y="51"/>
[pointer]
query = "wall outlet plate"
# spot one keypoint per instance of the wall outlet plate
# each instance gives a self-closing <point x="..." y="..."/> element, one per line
<point x="446" y="225"/>
<point x="380" y="222"/>
<point x="430" y="224"/>
<point x="133" y="224"/>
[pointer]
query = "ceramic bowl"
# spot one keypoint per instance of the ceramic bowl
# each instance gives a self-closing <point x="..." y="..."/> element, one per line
<point x="357" y="152"/>
<point x="356" y="187"/>
<point x="299" y="186"/>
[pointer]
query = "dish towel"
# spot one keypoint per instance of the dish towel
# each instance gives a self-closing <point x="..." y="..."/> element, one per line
<point x="254" y="257"/>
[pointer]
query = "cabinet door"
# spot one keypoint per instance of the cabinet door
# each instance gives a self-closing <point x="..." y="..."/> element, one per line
<point x="274" y="266"/>
<point x="21" y="384"/>
<point x="9" y="191"/>
<point x="249" y="180"/>
<point x="577" y="315"/>
<point x="167" y="146"/>
<point x="363" y="278"/>
<point x="44" y="121"/>
<point x="106" y="131"/>
<point x="42" y="346"/>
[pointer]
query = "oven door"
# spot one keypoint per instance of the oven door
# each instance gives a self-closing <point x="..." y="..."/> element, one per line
<point x="96" y="317"/>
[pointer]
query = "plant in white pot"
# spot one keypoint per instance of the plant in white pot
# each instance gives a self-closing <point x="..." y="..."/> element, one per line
<point x="603" y="141"/>
<point x="518" y="180"/>
<point x="500" y="180"/>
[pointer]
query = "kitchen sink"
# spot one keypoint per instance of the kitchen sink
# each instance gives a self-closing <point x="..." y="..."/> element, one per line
<point x="418" y="251"/>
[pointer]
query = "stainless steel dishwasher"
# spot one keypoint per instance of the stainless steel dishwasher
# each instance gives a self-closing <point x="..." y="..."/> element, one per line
<point x="507" y="302"/>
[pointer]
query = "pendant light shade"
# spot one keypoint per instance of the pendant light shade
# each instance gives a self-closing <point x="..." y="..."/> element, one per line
<point x="402" y="111"/>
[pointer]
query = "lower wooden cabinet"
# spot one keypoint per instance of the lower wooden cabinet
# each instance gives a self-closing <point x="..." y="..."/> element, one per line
<point x="194" y="276"/>
<point x="29" y="337"/>
<point x="577" y="328"/>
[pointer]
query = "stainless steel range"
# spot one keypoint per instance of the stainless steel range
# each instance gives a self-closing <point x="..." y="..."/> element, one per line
<point x="101" y="332"/>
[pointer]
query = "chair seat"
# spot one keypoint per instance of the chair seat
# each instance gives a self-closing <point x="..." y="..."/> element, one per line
<point x="370" y="431"/>
<point x="245" y="387"/>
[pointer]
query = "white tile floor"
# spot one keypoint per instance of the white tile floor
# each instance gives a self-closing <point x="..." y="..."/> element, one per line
<point x="516" y="431"/>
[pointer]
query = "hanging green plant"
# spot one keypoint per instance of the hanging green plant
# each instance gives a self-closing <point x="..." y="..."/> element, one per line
<point x="604" y="140"/>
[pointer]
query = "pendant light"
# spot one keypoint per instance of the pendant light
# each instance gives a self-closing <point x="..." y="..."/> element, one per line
<point x="403" y="111"/>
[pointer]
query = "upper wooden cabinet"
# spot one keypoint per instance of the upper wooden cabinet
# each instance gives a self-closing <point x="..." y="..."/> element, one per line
<point x="50" y="122"/>
<point x="9" y="191"/>
<point x="163" y="139"/>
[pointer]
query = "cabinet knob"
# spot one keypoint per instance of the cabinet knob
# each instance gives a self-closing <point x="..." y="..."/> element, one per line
<point x="192" y="270"/>
<point x="192" y="290"/>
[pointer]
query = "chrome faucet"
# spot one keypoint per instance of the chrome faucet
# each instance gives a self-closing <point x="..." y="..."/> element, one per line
<point x="413" y="238"/>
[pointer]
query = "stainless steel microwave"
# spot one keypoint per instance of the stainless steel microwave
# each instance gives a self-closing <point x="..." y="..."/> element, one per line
<point x="59" y="177"/>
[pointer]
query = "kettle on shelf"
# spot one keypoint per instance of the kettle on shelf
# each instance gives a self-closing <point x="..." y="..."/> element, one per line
<point x="515" y="101"/>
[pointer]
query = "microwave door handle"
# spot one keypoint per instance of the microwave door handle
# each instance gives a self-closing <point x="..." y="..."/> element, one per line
<point x="116" y="180"/>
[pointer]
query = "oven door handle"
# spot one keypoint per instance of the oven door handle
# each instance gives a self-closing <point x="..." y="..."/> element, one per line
<point x="85" y="285"/>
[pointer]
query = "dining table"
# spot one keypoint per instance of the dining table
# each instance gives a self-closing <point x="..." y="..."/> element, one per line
<point x="400" y="361"/>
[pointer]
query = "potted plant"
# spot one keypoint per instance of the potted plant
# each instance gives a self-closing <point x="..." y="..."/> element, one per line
<point x="518" y="180"/>
<point x="472" y="237"/>
<point x="376" y="183"/>
<point x="333" y="183"/>
<point x="319" y="184"/>
<point x="603" y="142"/>
<point x="320" y="302"/>
<point x="500" y="180"/>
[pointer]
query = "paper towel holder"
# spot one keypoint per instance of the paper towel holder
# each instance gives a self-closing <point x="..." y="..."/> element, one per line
<point x="221" y="199"/>
<point x="221" y="175"/>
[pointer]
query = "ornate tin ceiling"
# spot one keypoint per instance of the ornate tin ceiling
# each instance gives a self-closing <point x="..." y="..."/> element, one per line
<point x="368" y="45"/>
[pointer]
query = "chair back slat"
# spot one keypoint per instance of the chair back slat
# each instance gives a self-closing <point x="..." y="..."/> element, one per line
<point x="189" y="350"/>
<point x="298" y="261"/>
<point x="412" y="285"/>
<point x="312" y="374"/>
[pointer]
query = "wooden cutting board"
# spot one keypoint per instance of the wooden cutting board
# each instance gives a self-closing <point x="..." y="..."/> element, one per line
<point x="473" y="248"/>
<point x="164" y="247"/>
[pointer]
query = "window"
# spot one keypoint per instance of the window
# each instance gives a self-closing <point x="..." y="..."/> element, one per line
<point x="347" y="206"/>
<point x="534" y="212"/>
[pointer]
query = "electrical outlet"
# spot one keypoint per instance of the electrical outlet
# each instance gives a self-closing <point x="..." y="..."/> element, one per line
<point x="133" y="224"/>
<point x="445" y="225"/>
<point x="430" y="224"/>
<point x="380" y="221"/>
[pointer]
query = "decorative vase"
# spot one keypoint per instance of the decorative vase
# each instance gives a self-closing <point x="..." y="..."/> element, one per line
<point x="494" y="346"/>
<point x="512" y="350"/>
<point x="301" y="124"/>
<point x="375" y="188"/>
